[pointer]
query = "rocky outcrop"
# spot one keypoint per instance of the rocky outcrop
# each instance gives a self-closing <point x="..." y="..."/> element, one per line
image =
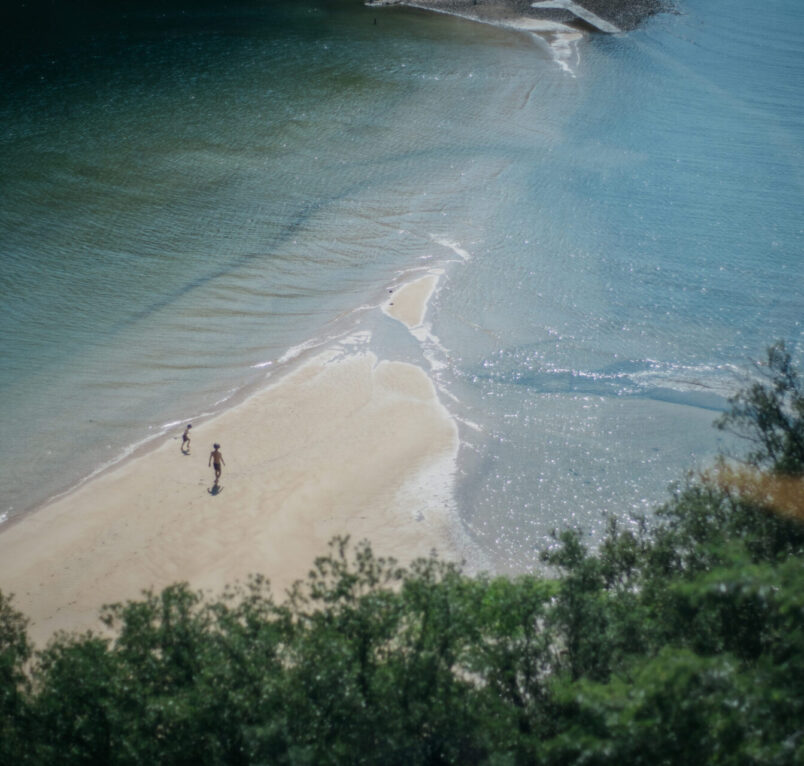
<point x="607" y="16"/>
<point x="626" y="14"/>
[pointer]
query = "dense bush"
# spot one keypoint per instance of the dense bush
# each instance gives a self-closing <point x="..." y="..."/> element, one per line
<point x="678" y="640"/>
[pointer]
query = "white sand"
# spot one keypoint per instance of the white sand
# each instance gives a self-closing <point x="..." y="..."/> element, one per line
<point x="340" y="446"/>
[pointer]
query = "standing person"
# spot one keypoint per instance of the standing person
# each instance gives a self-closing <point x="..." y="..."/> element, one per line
<point x="216" y="461"/>
<point x="185" y="439"/>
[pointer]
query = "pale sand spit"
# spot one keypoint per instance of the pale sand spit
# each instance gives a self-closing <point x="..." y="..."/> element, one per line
<point x="342" y="445"/>
<point x="408" y="303"/>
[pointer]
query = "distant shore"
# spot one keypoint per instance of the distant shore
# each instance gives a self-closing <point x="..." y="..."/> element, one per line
<point x="623" y="14"/>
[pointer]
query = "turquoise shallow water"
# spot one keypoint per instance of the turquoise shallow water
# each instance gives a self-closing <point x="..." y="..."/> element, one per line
<point x="190" y="196"/>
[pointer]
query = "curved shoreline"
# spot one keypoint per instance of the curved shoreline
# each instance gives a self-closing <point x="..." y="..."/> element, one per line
<point x="345" y="443"/>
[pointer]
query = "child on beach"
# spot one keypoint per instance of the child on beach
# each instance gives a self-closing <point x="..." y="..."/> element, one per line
<point x="185" y="439"/>
<point x="216" y="460"/>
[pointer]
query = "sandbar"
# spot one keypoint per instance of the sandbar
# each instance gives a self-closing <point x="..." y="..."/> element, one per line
<point x="408" y="303"/>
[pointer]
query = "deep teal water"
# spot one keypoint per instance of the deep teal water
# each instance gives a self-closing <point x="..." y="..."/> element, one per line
<point x="190" y="196"/>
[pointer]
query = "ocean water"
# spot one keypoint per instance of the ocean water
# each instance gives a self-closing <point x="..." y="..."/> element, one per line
<point x="194" y="196"/>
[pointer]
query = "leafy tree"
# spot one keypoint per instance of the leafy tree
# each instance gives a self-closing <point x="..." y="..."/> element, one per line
<point x="75" y="706"/>
<point x="580" y="616"/>
<point x="769" y="413"/>
<point x="15" y="651"/>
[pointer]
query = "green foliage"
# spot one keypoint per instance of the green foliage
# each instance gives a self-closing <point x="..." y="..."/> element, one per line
<point x="677" y="640"/>
<point x="674" y="708"/>
<point x="15" y="651"/>
<point x="691" y="529"/>
<point x="727" y="689"/>
<point x="368" y="663"/>
<point x="580" y="614"/>
<point x="770" y="414"/>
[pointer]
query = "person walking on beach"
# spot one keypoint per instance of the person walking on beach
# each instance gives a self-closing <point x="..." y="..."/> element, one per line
<point x="185" y="439"/>
<point x="216" y="461"/>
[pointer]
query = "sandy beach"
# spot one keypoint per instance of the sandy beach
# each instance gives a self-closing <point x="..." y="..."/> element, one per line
<point x="344" y="444"/>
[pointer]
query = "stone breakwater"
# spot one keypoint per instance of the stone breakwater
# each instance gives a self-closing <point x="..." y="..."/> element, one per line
<point x="599" y="15"/>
